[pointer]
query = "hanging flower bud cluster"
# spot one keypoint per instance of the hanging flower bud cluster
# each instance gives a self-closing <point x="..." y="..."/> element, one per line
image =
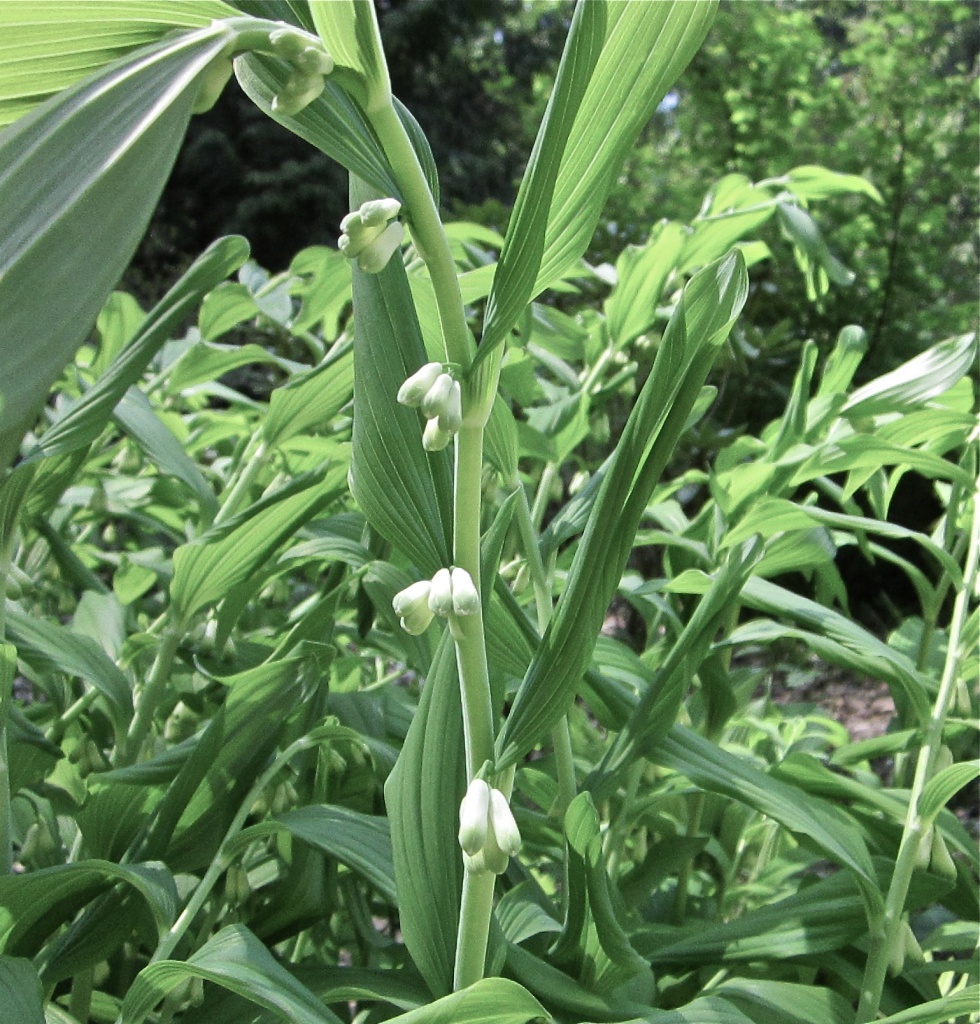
<point x="310" y="62"/>
<point x="371" y="234"/>
<point x="488" y="833"/>
<point x="441" y="400"/>
<point x="450" y="592"/>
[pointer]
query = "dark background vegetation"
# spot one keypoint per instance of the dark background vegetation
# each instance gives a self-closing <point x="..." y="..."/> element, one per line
<point x="883" y="89"/>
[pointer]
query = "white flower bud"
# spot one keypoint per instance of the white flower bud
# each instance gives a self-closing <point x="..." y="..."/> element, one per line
<point x="441" y="593"/>
<point x="412" y="608"/>
<point x="466" y="600"/>
<point x="503" y="826"/>
<point x="374" y="257"/>
<point x="288" y="43"/>
<point x="474" y="817"/>
<point x="451" y="417"/>
<point x="434" y="438"/>
<point x="437" y="396"/>
<point x="417" y="386"/>
<point x="376" y="213"/>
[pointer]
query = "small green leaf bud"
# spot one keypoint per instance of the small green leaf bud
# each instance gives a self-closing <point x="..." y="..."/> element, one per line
<point x="211" y="83"/>
<point x="434" y="438"/>
<point x="451" y="417"/>
<point x="441" y="593"/>
<point x="288" y="43"/>
<point x="466" y="600"/>
<point x="437" y="396"/>
<point x="417" y="386"/>
<point x="300" y="91"/>
<point x="314" y="60"/>
<point x="503" y="825"/>
<point x="474" y="817"/>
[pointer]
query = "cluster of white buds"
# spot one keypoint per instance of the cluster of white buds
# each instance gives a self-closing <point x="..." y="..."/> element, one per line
<point x="310" y="62"/>
<point x="441" y="400"/>
<point x="488" y="833"/>
<point x="371" y="234"/>
<point x="450" y="592"/>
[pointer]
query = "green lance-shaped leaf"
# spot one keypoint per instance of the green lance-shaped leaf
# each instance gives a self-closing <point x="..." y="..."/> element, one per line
<point x="79" y="178"/>
<point x="955" y="1006"/>
<point x="47" y="47"/>
<point x="361" y="841"/>
<point x="422" y="794"/>
<point x="718" y="771"/>
<point x="48" y="647"/>
<point x="404" y="492"/>
<point x="489" y="1001"/>
<point x="349" y="29"/>
<point x="619" y="61"/>
<point x="34" y="905"/>
<point x="207" y="568"/>
<point x="20" y="992"/>
<point x="311" y="399"/>
<point x="703" y="318"/>
<point x="83" y="420"/>
<point x="236" y="960"/>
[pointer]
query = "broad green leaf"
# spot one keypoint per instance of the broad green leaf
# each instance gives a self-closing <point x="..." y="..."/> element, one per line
<point x="781" y="1002"/>
<point x="521" y="916"/>
<point x="52" y="648"/>
<point x="254" y="714"/>
<point x="136" y="416"/>
<point x="35" y="904"/>
<point x="813" y="257"/>
<point x="642" y="274"/>
<point x="823" y="916"/>
<point x="311" y="399"/>
<point x="207" y="568"/>
<point x="119" y="320"/>
<point x="326" y="293"/>
<point x="703" y="1010"/>
<point x="207" y="361"/>
<point x="79" y="178"/>
<point x="83" y="420"/>
<point x="361" y="841"/>
<point x="227" y="306"/>
<point x="702" y="320"/>
<point x="20" y="992"/>
<point x="718" y="771"/>
<point x="47" y="47"/>
<point x="814" y="182"/>
<point x="404" y="492"/>
<point x="14" y="487"/>
<point x="236" y="960"/>
<point x="925" y="377"/>
<point x="349" y="28"/>
<point x="333" y="122"/>
<point x="422" y="796"/>
<point x="619" y="61"/>
<point x="489" y="1001"/>
<point x="944" y="785"/>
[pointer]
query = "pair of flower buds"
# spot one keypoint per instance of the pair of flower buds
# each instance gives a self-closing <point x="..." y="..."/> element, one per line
<point x="371" y="235"/>
<point x="449" y="592"/>
<point x="310" y="64"/>
<point x="441" y="400"/>
<point x="488" y="833"/>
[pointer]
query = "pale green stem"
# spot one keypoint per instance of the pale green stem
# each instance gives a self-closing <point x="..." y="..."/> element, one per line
<point x="8" y="669"/>
<point x="543" y="494"/>
<point x="427" y="233"/>
<point x="219" y="862"/>
<point x="80" y="1004"/>
<point x="884" y="944"/>
<point x="150" y="696"/>
<point x="471" y="940"/>
<point x="695" y="813"/>
<point x="620" y="828"/>
<point x="248" y="469"/>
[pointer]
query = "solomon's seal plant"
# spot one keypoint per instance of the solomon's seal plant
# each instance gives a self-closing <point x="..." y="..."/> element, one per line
<point x="283" y="729"/>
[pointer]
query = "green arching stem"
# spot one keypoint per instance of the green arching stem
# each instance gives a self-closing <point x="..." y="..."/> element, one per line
<point x="885" y="938"/>
<point x="246" y="472"/>
<point x="427" y="233"/>
<point x="149" y="698"/>
<point x="219" y="862"/>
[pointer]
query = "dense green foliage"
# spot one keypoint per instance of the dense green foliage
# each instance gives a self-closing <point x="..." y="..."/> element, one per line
<point x="242" y="695"/>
